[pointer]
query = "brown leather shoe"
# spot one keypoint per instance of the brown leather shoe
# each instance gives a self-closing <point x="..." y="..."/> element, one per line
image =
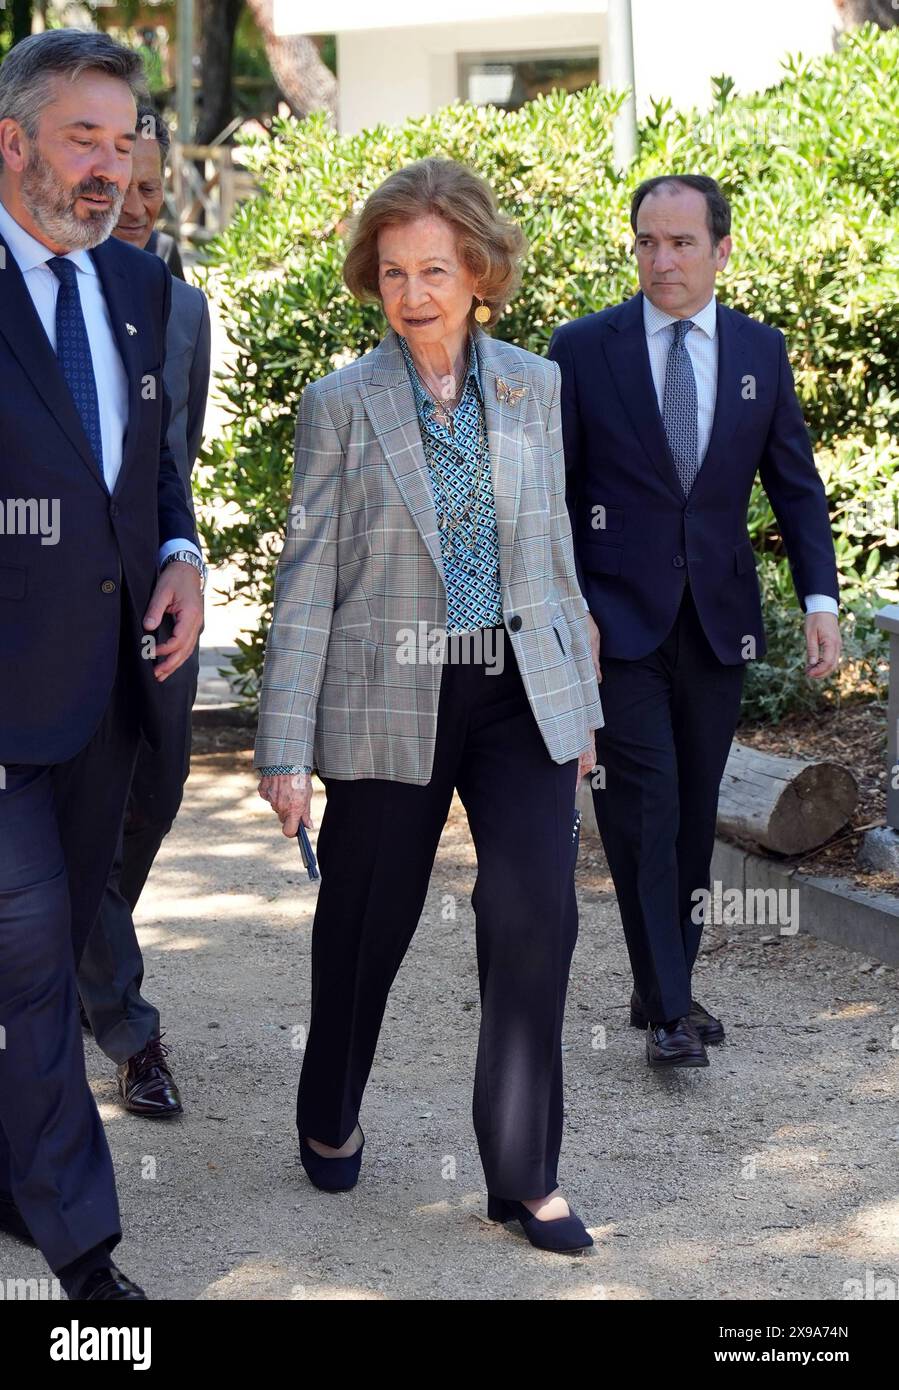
<point x="675" y="1044"/>
<point x="146" y="1084"/>
<point x="709" y="1028"/>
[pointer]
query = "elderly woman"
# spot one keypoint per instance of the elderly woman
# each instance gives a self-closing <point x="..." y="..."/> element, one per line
<point x="429" y="635"/>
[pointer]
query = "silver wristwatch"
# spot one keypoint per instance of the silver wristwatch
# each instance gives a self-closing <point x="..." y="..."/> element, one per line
<point x="189" y="558"/>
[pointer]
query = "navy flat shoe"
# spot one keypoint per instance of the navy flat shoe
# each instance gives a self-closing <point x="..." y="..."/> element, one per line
<point x="331" y="1174"/>
<point x="566" y="1233"/>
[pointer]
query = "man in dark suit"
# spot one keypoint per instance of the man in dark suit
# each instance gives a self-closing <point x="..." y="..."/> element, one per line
<point x="101" y="548"/>
<point x="671" y="404"/>
<point x="125" y="1024"/>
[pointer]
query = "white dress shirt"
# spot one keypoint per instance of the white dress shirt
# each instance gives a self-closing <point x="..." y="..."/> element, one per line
<point x="702" y="345"/>
<point x="110" y="376"/>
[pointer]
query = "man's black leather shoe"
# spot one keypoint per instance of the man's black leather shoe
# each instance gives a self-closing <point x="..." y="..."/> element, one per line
<point x="13" y="1222"/>
<point x="675" y="1044"/>
<point x="146" y="1084"/>
<point x="709" y="1028"/>
<point x="110" y="1284"/>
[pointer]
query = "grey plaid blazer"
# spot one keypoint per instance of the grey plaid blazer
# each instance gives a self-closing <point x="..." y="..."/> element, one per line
<point x="362" y="562"/>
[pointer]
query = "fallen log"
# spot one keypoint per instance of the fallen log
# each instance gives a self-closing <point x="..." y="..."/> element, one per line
<point x="786" y="805"/>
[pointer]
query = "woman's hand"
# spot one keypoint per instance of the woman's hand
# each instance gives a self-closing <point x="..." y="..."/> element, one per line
<point x="290" y="796"/>
<point x="587" y="760"/>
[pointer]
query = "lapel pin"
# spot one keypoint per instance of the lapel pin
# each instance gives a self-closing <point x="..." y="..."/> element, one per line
<point x="509" y="395"/>
<point x="131" y="328"/>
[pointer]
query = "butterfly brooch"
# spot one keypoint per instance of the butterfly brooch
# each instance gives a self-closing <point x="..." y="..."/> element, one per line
<point x="509" y="395"/>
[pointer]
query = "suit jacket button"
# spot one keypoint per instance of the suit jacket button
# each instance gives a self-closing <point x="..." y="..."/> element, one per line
<point x="514" y="623"/>
<point x="113" y="509"/>
<point x="678" y="562"/>
<point x="108" y="586"/>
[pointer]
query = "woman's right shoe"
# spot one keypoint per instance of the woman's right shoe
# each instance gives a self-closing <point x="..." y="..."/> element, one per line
<point x="566" y="1233"/>
<point x="331" y="1174"/>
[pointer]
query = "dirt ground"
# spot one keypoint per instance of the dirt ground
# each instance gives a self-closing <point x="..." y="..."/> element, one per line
<point x="771" y="1174"/>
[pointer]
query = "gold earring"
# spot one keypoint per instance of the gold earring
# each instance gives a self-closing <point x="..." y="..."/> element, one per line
<point x="482" y="313"/>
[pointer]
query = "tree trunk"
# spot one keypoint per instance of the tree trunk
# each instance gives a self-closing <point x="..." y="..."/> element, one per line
<point x="783" y="804"/>
<point x="307" y="84"/>
<point x="218" y="21"/>
<point x="21" y="15"/>
<point x="855" y="12"/>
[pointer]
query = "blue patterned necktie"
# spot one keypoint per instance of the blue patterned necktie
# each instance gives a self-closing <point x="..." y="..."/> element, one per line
<point x="74" y="353"/>
<point x="679" y="409"/>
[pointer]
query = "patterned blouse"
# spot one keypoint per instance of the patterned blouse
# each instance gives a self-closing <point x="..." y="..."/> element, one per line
<point x="470" y="552"/>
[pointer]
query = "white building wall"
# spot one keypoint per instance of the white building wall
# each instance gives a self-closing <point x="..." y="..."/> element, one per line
<point x="402" y="63"/>
<point x="389" y="74"/>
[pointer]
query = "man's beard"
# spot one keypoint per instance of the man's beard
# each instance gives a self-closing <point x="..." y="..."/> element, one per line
<point x="52" y="205"/>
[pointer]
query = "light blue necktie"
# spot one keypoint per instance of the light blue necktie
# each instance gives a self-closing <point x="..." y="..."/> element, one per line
<point x="74" y="353"/>
<point x="679" y="409"/>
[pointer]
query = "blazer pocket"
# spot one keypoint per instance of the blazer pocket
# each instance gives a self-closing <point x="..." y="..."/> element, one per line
<point x="744" y="558"/>
<point x="563" y="633"/>
<point x="352" y="654"/>
<point x="13" y="581"/>
<point x="601" y="559"/>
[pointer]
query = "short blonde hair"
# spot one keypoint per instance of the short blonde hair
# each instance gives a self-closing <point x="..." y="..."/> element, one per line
<point x="488" y="243"/>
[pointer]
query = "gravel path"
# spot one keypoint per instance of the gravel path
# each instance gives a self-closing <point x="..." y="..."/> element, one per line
<point x="771" y="1174"/>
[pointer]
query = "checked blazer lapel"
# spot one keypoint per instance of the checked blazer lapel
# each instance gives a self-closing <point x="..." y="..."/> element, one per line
<point x="389" y="403"/>
<point x="505" y="427"/>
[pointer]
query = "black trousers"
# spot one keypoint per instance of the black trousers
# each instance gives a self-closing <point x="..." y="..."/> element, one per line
<point x="112" y="967"/>
<point x="58" y="831"/>
<point x="376" y="847"/>
<point x="670" y="718"/>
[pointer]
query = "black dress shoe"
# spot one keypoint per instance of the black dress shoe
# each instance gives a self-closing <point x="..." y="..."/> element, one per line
<point x="675" y="1044"/>
<point x="147" y="1085"/>
<point x="709" y="1028"/>
<point x="564" y="1234"/>
<point x="110" y="1284"/>
<point x="332" y="1174"/>
<point x="13" y="1222"/>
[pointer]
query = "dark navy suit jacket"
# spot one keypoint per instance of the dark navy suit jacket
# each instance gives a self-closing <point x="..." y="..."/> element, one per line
<point x="636" y="536"/>
<point x="60" y="605"/>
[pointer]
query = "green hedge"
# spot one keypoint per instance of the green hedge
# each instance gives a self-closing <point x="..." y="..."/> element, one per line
<point x="810" y="167"/>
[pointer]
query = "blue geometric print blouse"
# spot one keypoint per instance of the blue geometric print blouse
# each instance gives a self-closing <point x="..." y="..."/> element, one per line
<point x="473" y="588"/>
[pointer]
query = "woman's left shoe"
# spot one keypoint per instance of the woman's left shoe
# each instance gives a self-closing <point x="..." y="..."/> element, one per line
<point x="566" y="1233"/>
<point x="332" y="1174"/>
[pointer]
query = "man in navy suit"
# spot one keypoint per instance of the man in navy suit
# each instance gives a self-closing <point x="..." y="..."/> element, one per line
<point x="125" y="1024"/>
<point x="98" y="546"/>
<point x="671" y="404"/>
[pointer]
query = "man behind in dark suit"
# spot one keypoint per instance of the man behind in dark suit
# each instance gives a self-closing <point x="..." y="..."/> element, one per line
<point x="83" y="419"/>
<point x="126" y="1025"/>
<point x="671" y="404"/>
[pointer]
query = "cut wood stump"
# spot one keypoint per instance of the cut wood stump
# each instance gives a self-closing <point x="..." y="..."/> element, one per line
<point x="786" y="805"/>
